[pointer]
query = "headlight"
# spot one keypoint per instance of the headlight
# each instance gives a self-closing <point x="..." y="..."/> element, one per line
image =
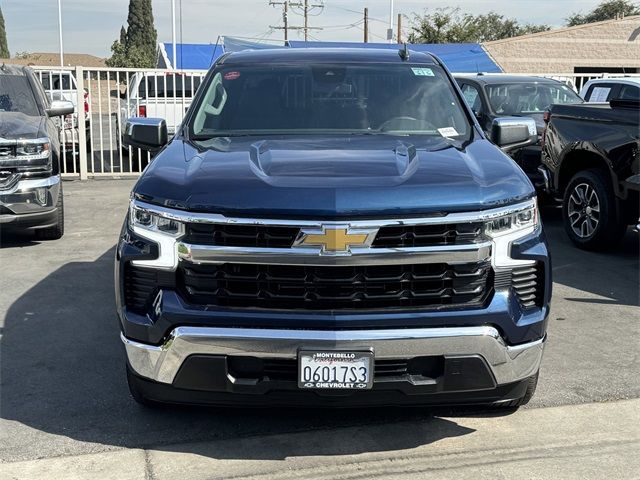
<point x="16" y="152"/>
<point x="148" y="220"/>
<point x="33" y="150"/>
<point x="512" y="225"/>
<point x="521" y="219"/>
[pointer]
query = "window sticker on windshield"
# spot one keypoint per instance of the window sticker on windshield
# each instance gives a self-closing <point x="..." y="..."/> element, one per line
<point x="231" y="75"/>
<point x="422" y="72"/>
<point x="448" y="132"/>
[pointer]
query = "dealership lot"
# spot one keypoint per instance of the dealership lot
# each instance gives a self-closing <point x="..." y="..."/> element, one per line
<point x="64" y="391"/>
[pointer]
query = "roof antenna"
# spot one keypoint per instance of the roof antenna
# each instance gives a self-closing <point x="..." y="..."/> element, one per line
<point x="404" y="52"/>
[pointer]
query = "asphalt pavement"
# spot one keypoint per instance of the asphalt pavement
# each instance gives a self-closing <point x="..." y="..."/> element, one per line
<point x="65" y="411"/>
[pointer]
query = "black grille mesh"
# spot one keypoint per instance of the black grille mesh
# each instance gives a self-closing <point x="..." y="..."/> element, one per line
<point x="407" y="236"/>
<point x="141" y="285"/>
<point x="264" y="236"/>
<point x="527" y="283"/>
<point x="260" y="236"/>
<point x="336" y="287"/>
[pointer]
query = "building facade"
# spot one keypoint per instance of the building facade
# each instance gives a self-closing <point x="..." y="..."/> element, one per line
<point x="611" y="46"/>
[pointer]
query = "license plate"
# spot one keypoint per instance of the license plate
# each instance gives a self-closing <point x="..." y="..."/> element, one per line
<point x="333" y="370"/>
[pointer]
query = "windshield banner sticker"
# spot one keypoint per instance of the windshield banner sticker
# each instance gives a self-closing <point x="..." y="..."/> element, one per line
<point x="448" y="132"/>
<point x="422" y="72"/>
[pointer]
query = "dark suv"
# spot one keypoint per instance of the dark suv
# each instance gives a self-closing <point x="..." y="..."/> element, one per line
<point x="331" y="227"/>
<point x="30" y="188"/>
<point x="494" y="96"/>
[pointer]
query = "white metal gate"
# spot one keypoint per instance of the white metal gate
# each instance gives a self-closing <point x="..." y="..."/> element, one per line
<point x="106" y="97"/>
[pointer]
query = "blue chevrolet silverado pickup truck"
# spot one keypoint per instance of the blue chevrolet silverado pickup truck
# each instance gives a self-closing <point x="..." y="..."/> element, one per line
<point x="331" y="227"/>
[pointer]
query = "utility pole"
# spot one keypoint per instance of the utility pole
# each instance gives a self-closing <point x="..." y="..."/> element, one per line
<point x="306" y="20"/>
<point x="285" y="17"/>
<point x="390" y="31"/>
<point x="399" y="35"/>
<point x="366" y="25"/>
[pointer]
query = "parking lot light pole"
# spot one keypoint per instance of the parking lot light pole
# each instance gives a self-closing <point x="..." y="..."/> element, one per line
<point x="60" y="32"/>
<point x="173" y="33"/>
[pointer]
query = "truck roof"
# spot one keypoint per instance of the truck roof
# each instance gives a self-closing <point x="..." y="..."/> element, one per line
<point x="340" y="55"/>
<point x="489" y="79"/>
<point x="6" y="69"/>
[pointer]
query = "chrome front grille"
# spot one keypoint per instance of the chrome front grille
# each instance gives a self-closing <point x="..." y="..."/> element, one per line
<point x="430" y="262"/>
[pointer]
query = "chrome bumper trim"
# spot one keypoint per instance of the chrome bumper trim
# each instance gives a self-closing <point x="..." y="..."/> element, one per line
<point x="23" y="198"/>
<point x="31" y="183"/>
<point x="508" y="363"/>
<point x="450" y="254"/>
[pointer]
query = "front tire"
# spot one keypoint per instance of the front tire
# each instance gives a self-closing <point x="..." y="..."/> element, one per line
<point x="57" y="231"/>
<point x="590" y="211"/>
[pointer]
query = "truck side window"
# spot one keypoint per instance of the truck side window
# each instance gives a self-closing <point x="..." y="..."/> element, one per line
<point x="629" y="92"/>
<point x="472" y="96"/>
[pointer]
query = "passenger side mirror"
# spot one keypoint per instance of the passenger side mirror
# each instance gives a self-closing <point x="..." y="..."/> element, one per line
<point x="511" y="133"/>
<point x="148" y="134"/>
<point x="58" y="108"/>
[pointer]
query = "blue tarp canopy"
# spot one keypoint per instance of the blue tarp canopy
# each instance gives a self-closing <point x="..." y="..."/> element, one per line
<point x="458" y="57"/>
<point x="193" y="56"/>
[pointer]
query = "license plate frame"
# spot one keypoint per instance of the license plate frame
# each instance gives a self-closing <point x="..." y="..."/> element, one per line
<point x="337" y="378"/>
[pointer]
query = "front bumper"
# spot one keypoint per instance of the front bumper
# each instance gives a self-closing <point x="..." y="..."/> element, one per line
<point x="30" y="203"/>
<point x="194" y="366"/>
<point x="507" y="363"/>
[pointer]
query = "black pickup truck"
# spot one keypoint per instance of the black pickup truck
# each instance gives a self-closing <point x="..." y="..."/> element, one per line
<point x="591" y="156"/>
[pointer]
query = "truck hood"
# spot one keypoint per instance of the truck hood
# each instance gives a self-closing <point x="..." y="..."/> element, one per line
<point x="332" y="177"/>
<point x="16" y="125"/>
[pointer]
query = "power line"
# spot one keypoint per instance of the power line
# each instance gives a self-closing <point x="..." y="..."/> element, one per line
<point x="306" y="9"/>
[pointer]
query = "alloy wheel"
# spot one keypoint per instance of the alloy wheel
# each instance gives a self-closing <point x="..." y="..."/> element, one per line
<point x="584" y="210"/>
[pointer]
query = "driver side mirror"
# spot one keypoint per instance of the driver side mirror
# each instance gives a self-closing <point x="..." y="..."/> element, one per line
<point x="58" y="108"/>
<point x="148" y="134"/>
<point x="511" y="133"/>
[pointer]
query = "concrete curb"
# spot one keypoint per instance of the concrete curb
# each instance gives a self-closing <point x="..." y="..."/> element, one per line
<point x="586" y="441"/>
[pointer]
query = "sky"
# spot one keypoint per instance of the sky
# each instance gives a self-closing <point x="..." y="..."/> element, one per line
<point x="91" y="26"/>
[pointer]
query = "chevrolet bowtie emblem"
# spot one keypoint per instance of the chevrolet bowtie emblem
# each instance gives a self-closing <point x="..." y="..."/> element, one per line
<point x="333" y="240"/>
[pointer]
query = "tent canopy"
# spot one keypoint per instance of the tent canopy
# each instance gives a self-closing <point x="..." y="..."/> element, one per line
<point x="192" y="56"/>
<point x="458" y="57"/>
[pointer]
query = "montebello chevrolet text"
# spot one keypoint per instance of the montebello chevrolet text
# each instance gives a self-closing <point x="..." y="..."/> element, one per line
<point x="332" y="227"/>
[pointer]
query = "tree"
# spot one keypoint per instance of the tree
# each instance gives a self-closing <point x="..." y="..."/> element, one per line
<point x="607" y="10"/>
<point x="137" y="45"/>
<point x="4" y="46"/>
<point x="450" y="25"/>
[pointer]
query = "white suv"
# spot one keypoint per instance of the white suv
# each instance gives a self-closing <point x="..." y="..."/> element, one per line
<point x="606" y="89"/>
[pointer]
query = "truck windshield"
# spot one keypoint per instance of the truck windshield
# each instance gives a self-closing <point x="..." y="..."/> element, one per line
<point x="401" y="99"/>
<point x="523" y="99"/>
<point x="16" y="95"/>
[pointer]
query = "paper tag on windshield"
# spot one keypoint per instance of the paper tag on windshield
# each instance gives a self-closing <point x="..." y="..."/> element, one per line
<point x="448" y="132"/>
<point x="422" y="72"/>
